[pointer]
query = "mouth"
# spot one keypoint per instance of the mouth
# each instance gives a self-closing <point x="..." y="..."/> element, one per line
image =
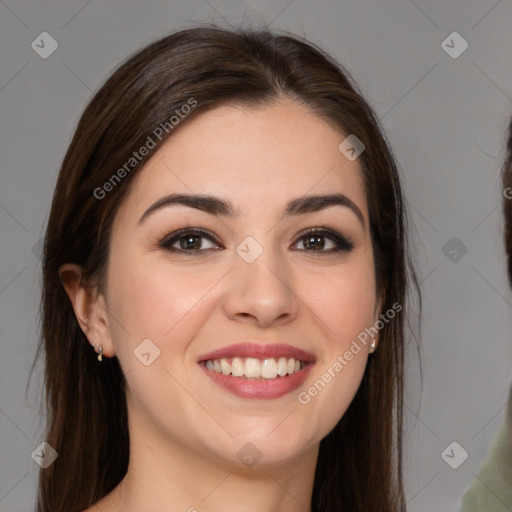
<point x="257" y="371"/>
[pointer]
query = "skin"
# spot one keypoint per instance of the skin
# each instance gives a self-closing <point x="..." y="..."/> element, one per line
<point x="185" y="431"/>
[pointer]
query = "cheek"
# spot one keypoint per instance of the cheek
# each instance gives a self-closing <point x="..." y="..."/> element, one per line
<point x="346" y="302"/>
<point x="162" y="303"/>
<point x="150" y="298"/>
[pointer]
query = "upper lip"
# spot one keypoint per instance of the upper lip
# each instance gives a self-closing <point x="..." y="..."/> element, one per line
<point x="251" y="349"/>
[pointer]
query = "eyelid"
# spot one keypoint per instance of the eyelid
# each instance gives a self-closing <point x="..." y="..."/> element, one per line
<point x="343" y="243"/>
<point x="176" y="235"/>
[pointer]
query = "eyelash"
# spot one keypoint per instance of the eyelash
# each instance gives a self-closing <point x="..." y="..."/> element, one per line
<point x="343" y="243"/>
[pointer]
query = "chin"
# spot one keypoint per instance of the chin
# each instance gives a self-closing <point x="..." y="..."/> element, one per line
<point x="256" y="448"/>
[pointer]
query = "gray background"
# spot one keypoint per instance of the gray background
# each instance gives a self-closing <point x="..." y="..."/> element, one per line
<point x="445" y="118"/>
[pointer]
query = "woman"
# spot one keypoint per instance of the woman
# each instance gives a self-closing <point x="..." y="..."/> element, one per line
<point x="227" y="234"/>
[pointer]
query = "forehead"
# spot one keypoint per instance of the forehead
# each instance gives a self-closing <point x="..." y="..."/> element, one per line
<point x="257" y="157"/>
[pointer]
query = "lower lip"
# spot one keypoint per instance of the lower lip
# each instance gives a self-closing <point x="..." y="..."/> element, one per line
<point x="259" y="389"/>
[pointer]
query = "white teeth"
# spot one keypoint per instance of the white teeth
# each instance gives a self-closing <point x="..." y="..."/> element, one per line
<point x="269" y="368"/>
<point x="225" y="367"/>
<point x="237" y="367"/>
<point x="282" y="367"/>
<point x="253" y="368"/>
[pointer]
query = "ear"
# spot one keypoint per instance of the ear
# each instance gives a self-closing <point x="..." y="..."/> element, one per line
<point x="379" y="301"/>
<point x="380" y="298"/>
<point x="89" y="307"/>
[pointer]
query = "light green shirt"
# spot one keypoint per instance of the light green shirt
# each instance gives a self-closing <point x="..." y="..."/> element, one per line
<point x="491" y="491"/>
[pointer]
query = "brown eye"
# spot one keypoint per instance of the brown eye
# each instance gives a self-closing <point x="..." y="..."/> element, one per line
<point x="314" y="240"/>
<point x="189" y="241"/>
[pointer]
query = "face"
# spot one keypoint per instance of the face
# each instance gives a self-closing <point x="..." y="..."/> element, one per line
<point x="186" y="281"/>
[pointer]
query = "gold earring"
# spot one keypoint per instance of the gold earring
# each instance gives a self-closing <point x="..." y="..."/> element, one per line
<point x="100" y="353"/>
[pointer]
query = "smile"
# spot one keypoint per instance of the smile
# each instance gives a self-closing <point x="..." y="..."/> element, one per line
<point x="252" y="368"/>
<point x="258" y="371"/>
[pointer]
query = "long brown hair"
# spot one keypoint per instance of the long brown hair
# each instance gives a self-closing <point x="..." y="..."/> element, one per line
<point x="360" y="461"/>
<point x="506" y="180"/>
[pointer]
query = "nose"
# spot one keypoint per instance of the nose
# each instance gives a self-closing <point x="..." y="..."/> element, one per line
<point x="262" y="292"/>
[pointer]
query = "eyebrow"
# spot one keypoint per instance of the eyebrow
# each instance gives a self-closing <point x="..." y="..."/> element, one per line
<point x="216" y="206"/>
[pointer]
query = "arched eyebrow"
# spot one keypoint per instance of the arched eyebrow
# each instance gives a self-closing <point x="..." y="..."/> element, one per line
<point x="222" y="207"/>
